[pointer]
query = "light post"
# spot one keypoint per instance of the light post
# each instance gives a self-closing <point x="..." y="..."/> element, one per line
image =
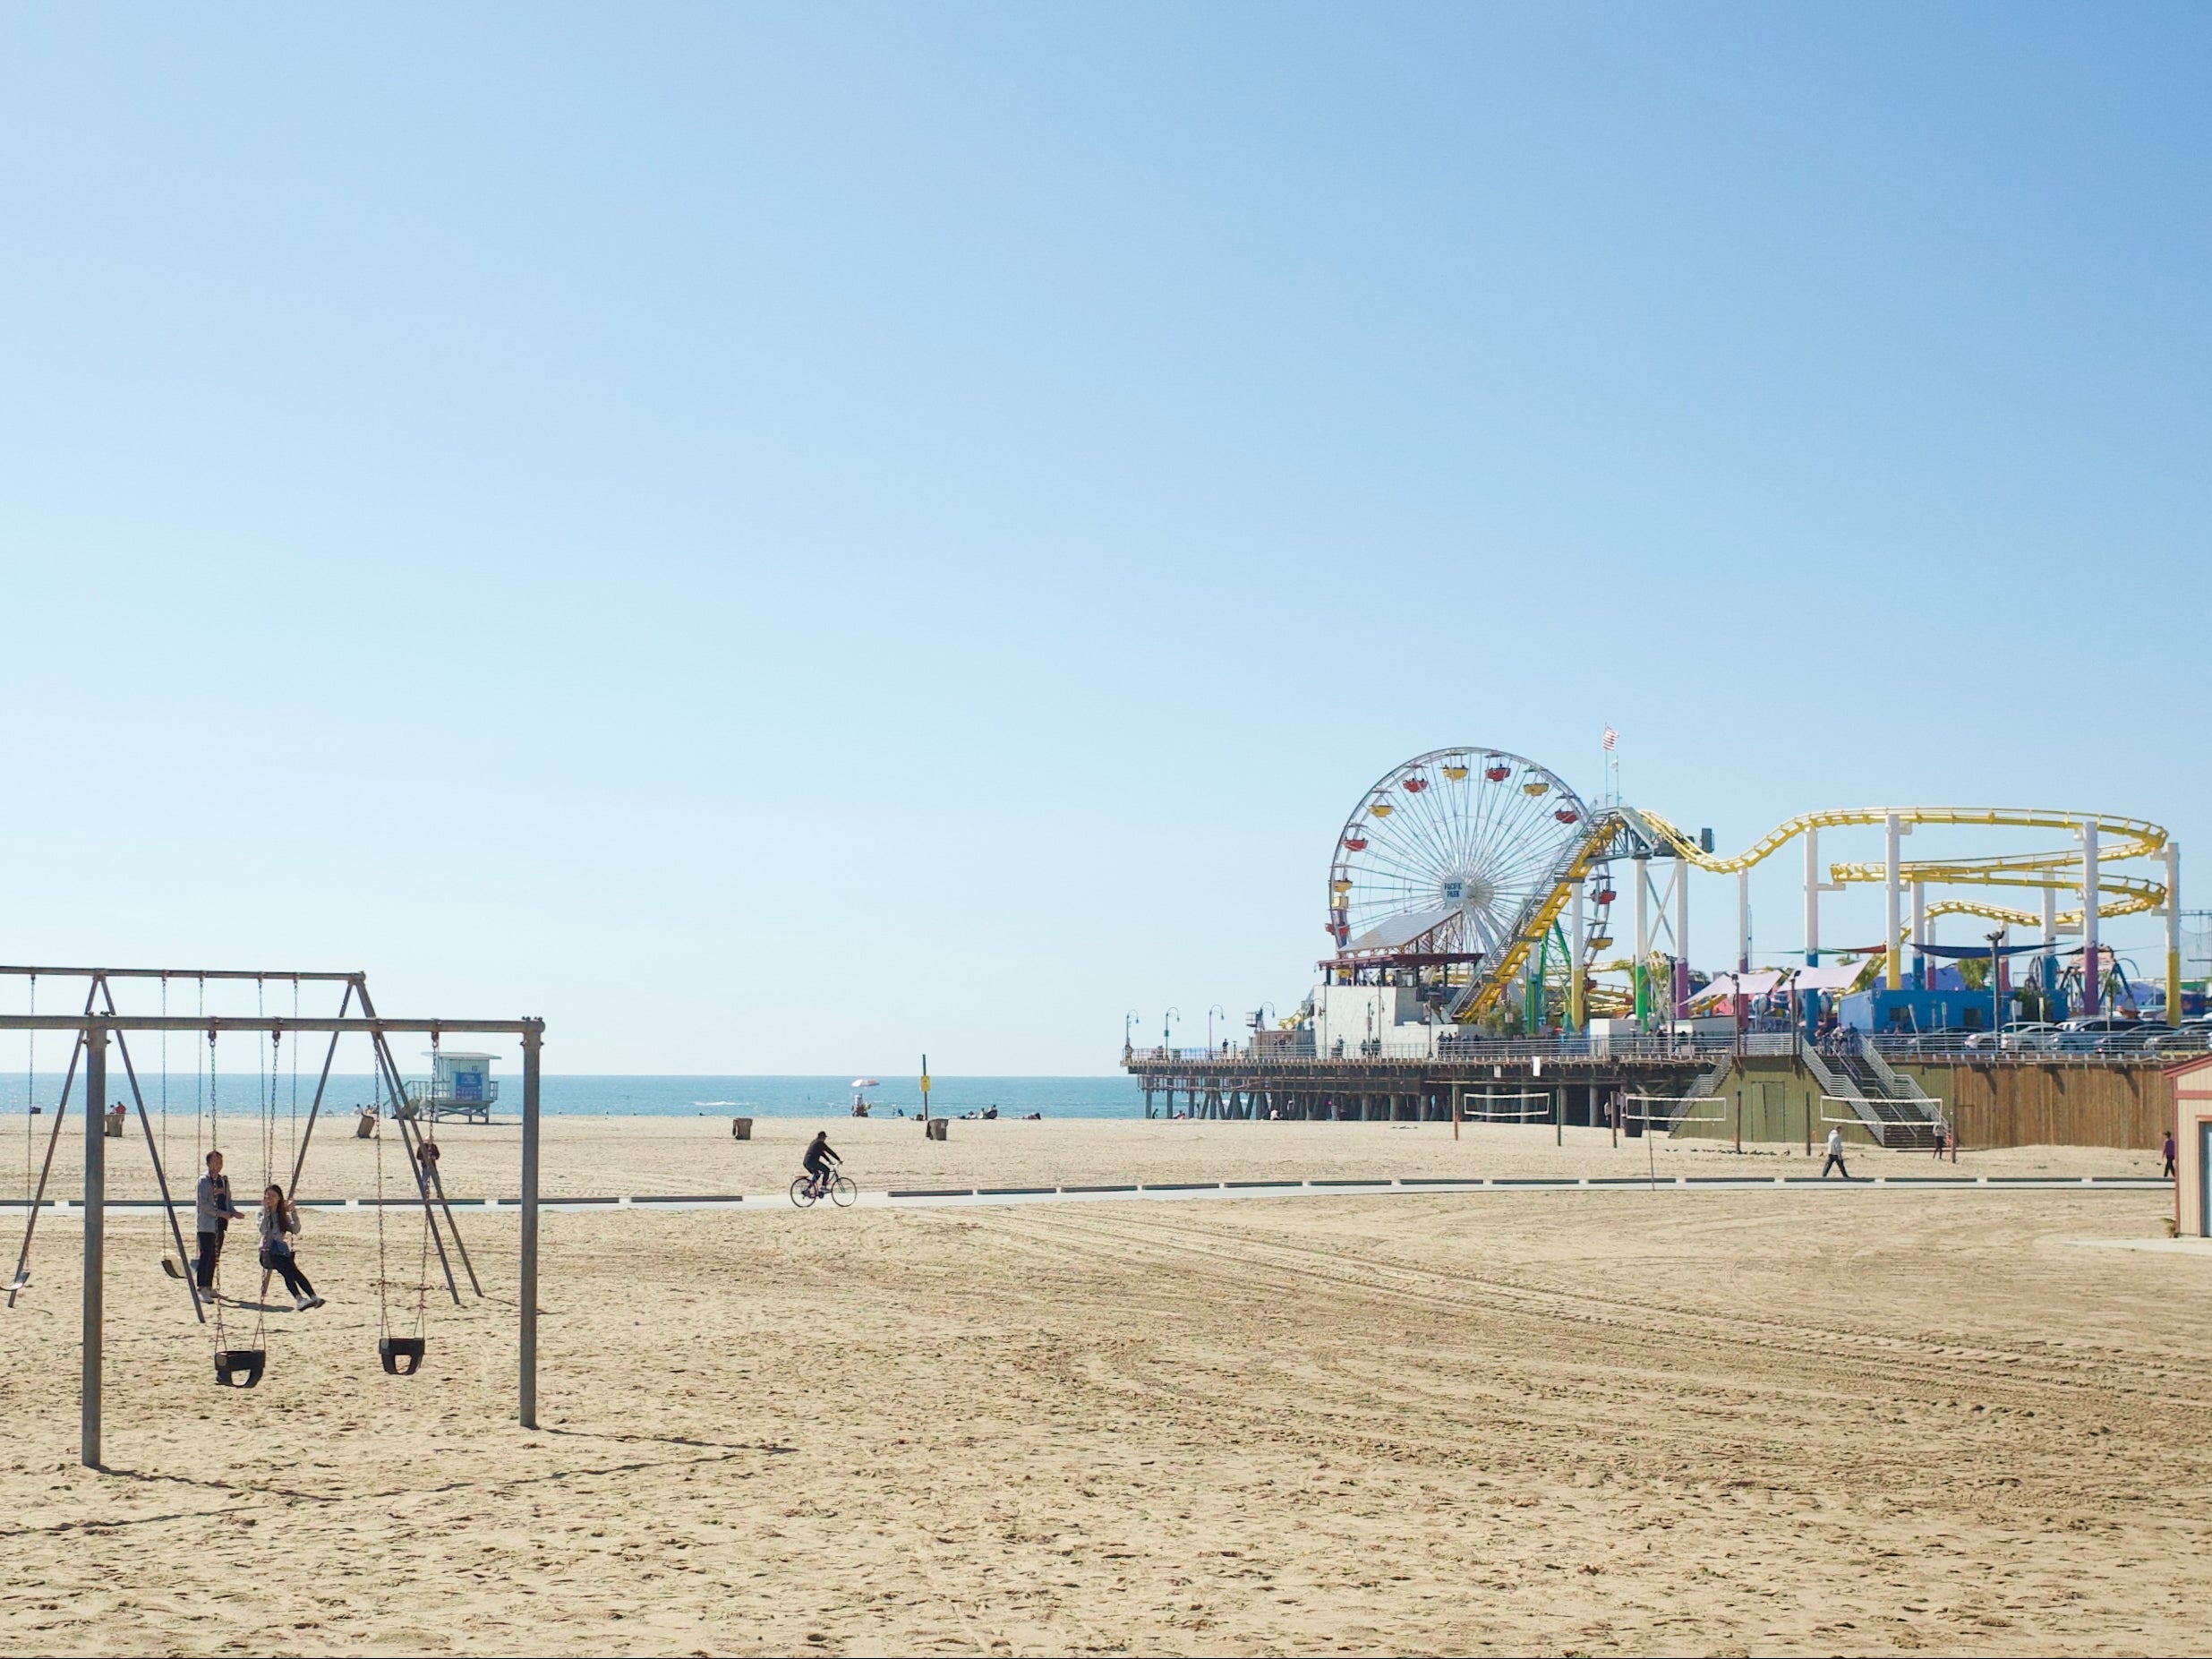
<point x="1128" y="1019"/>
<point x="1211" y="1012"/>
<point x="1168" y="1047"/>
<point x="1996" y="997"/>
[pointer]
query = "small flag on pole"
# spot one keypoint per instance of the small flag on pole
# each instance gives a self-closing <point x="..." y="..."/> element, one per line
<point x="1611" y="735"/>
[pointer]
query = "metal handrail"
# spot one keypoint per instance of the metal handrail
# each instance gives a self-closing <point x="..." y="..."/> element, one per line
<point x="1946" y="1048"/>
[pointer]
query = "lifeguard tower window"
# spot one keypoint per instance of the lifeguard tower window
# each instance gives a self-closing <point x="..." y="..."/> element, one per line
<point x="460" y="1085"/>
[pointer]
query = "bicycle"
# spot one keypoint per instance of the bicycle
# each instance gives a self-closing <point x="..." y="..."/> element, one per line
<point x="839" y="1190"/>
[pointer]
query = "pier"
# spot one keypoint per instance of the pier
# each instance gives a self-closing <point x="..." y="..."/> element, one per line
<point x="1567" y="1080"/>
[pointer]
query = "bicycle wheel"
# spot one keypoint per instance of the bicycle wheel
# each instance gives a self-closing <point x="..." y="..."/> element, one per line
<point x="843" y="1192"/>
<point x="803" y="1192"/>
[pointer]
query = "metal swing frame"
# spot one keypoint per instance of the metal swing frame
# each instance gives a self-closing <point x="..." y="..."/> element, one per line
<point x="99" y="1023"/>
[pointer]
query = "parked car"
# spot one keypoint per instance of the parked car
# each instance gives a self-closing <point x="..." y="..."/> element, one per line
<point x="2020" y="1034"/>
<point x="2190" y="1037"/>
<point x="1947" y="1040"/>
<point x="2106" y="1034"/>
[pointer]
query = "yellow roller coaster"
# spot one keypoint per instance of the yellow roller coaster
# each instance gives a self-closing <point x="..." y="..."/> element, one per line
<point x="2076" y="870"/>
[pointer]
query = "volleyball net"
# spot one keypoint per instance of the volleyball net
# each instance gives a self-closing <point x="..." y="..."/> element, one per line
<point x="1518" y="1107"/>
<point x="1663" y="1114"/>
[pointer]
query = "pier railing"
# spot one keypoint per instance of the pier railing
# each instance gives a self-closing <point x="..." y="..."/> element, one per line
<point x="1450" y="1048"/>
<point x="1656" y="1048"/>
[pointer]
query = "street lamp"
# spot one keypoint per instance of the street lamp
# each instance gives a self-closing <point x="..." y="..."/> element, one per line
<point x="1996" y="997"/>
<point x="1167" y="1043"/>
<point x="1211" y="1012"/>
<point x="1128" y="1019"/>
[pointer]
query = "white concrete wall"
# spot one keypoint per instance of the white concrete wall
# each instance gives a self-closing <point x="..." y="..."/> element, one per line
<point x="1353" y="1014"/>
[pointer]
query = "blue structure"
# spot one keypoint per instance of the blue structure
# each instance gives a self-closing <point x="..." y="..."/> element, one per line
<point x="1957" y="1007"/>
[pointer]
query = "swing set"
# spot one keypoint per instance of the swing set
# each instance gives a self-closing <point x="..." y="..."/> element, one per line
<point x="242" y="1364"/>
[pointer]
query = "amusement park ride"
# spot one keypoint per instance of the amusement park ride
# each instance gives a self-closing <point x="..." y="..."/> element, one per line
<point x="1483" y="890"/>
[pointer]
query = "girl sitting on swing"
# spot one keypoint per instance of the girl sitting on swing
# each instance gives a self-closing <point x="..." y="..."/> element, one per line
<point x="280" y="1218"/>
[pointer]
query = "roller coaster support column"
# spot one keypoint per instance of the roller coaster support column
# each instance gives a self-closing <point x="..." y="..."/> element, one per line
<point x="1812" y="898"/>
<point x="1574" y="1020"/>
<point x="2046" y="965"/>
<point x="1743" y="923"/>
<point x="2092" y="969"/>
<point x="1892" y="972"/>
<point x="2174" y="933"/>
<point x="1643" y="940"/>
<point x="1681" y="939"/>
<point x="1919" y="936"/>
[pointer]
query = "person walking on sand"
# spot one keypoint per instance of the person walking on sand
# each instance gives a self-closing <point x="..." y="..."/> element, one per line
<point x="216" y="1212"/>
<point x="1835" y="1156"/>
<point x="2166" y="1152"/>
<point x="280" y="1223"/>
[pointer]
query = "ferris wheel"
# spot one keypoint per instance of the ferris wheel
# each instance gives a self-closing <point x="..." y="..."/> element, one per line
<point x="1448" y="854"/>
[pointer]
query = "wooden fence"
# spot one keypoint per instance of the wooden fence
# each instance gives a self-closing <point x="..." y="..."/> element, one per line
<point x="2121" y="1105"/>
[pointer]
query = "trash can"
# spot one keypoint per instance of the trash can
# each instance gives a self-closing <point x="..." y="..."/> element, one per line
<point x="935" y="1128"/>
<point x="740" y="1129"/>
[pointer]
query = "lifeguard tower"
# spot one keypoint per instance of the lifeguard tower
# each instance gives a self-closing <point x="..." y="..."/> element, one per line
<point x="460" y="1085"/>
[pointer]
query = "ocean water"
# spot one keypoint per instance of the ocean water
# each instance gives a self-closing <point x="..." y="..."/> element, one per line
<point x="643" y="1096"/>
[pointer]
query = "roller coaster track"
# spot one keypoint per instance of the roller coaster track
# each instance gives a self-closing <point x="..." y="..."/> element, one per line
<point x="2119" y="839"/>
<point x="2133" y="838"/>
<point x="1483" y="995"/>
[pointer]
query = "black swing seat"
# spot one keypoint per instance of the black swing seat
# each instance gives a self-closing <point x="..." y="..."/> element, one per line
<point x="239" y="1368"/>
<point x="394" y="1350"/>
<point x="168" y="1266"/>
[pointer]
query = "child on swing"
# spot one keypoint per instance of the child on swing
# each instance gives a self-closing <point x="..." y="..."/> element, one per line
<point x="278" y="1220"/>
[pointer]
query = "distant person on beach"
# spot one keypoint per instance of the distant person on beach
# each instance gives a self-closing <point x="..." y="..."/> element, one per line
<point x="216" y="1213"/>
<point x="819" y="1158"/>
<point x="2166" y="1152"/>
<point x="1835" y="1156"/>
<point x="280" y="1223"/>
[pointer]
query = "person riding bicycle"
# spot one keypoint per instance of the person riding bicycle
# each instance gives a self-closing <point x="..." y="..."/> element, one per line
<point x="819" y="1158"/>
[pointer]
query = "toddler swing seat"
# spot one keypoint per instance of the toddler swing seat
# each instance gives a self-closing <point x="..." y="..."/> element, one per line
<point x="239" y="1368"/>
<point x="402" y="1356"/>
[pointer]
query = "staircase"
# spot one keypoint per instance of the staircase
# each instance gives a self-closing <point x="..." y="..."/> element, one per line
<point x="1709" y="1085"/>
<point x="1898" y="1111"/>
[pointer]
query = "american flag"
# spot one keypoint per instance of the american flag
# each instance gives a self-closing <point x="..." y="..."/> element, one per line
<point x="1609" y="738"/>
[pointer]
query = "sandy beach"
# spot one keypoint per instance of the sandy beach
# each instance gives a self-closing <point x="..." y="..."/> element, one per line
<point x="1608" y="1420"/>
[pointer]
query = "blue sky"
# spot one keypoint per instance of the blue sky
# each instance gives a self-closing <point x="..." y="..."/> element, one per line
<point x="778" y="538"/>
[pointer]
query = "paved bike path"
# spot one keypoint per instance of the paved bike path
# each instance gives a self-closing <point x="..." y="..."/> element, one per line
<point x="1178" y="1190"/>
